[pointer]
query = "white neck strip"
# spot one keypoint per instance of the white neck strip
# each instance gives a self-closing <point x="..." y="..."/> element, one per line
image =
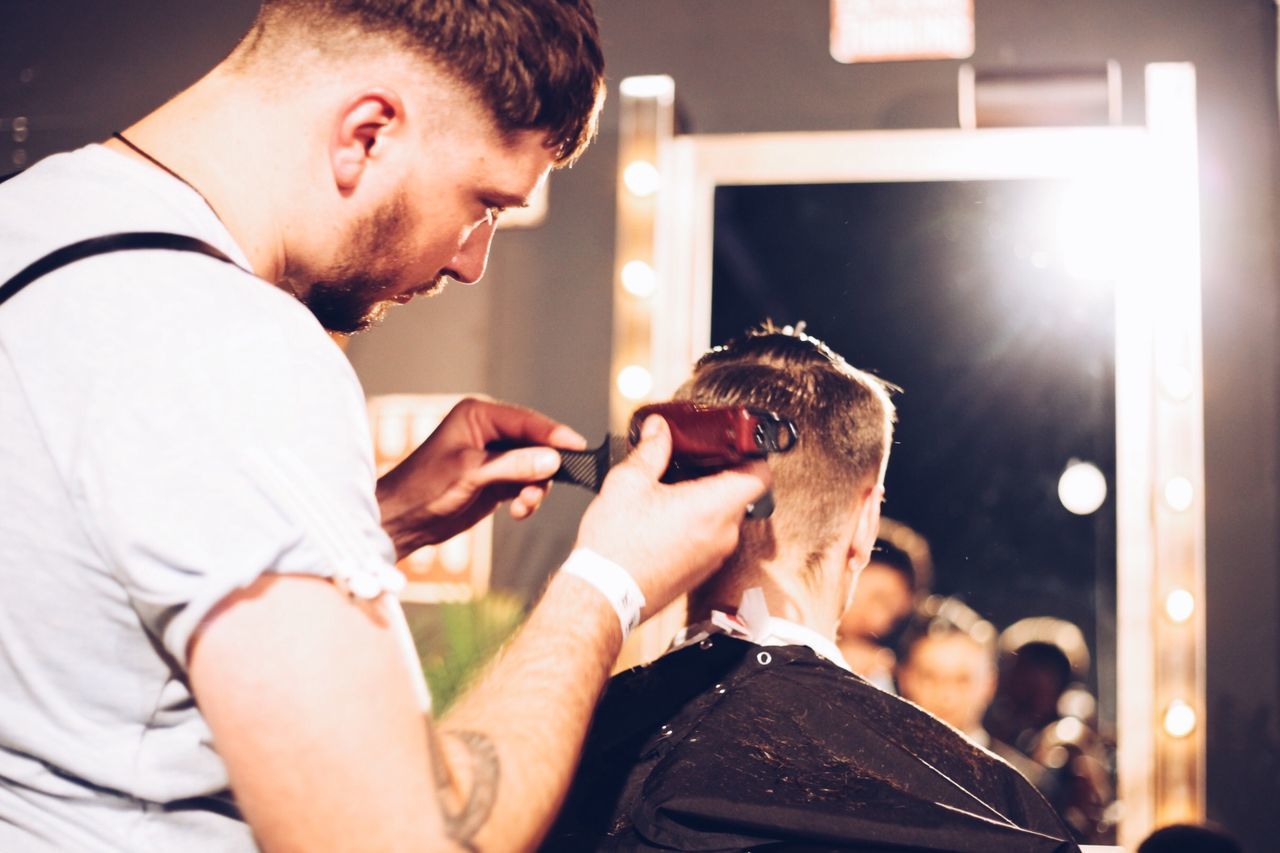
<point x="752" y="622"/>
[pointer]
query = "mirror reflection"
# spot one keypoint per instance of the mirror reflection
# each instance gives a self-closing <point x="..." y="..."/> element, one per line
<point x="980" y="300"/>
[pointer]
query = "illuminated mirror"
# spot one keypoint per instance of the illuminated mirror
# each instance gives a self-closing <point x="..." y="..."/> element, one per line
<point x="1036" y="292"/>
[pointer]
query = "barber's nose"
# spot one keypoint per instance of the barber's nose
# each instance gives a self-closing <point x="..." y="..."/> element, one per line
<point x="468" y="265"/>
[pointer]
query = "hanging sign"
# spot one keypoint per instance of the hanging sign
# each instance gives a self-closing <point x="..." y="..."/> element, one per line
<point x="888" y="30"/>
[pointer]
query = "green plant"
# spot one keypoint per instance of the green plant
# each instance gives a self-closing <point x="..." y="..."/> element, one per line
<point x="456" y="640"/>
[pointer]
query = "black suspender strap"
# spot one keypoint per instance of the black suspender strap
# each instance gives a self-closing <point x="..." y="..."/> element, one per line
<point x="127" y="241"/>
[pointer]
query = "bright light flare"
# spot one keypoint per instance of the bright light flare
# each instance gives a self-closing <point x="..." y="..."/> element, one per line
<point x="1082" y="487"/>
<point x="634" y="382"/>
<point x="641" y="178"/>
<point x="639" y="279"/>
<point x="1179" y="719"/>
<point x="1179" y="605"/>
<point x="1092" y="224"/>
<point x="1179" y="494"/>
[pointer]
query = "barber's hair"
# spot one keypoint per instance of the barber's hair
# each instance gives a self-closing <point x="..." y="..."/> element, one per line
<point x="843" y="418"/>
<point x="536" y="64"/>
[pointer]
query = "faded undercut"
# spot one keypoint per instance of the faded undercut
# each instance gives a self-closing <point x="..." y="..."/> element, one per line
<point x="843" y="417"/>
<point x="536" y="64"/>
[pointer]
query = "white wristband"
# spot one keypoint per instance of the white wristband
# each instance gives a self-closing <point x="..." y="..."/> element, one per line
<point x="614" y="583"/>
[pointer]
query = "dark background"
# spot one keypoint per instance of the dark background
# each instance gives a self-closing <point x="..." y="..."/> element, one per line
<point x="537" y="330"/>
<point x="1005" y="361"/>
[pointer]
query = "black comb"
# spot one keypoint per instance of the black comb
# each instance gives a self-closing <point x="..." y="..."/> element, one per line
<point x="587" y="468"/>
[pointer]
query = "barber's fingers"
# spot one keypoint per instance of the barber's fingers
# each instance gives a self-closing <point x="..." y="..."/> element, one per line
<point x="734" y="487"/>
<point x="526" y="465"/>
<point x="489" y="421"/>
<point x="737" y="486"/>
<point x="530" y="498"/>
<point x="653" y="453"/>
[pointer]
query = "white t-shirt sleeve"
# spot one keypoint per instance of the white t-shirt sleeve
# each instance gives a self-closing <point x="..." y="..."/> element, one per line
<point x="214" y="458"/>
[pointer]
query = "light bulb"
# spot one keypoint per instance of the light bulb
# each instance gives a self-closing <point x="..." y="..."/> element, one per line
<point x="1082" y="488"/>
<point x="639" y="279"/>
<point x="641" y="177"/>
<point x="1179" y="494"/>
<point x="634" y="382"/>
<point x="1179" y="605"/>
<point x="1179" y="719"/>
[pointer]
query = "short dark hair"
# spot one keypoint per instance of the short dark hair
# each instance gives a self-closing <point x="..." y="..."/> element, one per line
<point x="892" y="557"/>
<point x="843" y="418"/>
<point x="537" y="64"/>
<point x="1190" y="838"/>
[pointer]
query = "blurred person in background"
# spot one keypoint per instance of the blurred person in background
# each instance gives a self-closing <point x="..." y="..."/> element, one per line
<point x="948" y="668"/>
<point x="1190" y="838"/>
<point x="1043" y="708"/>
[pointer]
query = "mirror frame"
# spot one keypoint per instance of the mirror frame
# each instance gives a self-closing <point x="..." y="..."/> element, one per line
<point x="665" y="222"/>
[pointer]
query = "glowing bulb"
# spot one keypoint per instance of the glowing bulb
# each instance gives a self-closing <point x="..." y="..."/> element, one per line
<point x="1069" y="730"/>
<point x="1179" y="494"/>
<point x="1082" y="488"/>
<point x="1179" y="719"/>
<point x="634" y="382"/>
<point x="641" y="177"/>
<point x="639" y="279"/>
<point x="1179" y="605"/>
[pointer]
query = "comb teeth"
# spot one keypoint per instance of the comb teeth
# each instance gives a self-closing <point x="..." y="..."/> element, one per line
<point x="619" y="447"/>
<point x="587" y="468"/>
<point x="581" y="468"/>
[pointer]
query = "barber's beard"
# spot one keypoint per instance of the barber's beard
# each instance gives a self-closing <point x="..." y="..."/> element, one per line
<point x="351" y="296"/>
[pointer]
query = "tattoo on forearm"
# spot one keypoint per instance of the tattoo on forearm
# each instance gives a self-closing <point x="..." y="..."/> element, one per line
<point x="465" y="820"/>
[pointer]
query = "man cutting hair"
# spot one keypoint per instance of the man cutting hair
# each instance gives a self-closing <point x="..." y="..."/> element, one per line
<point x="199" y="643"/>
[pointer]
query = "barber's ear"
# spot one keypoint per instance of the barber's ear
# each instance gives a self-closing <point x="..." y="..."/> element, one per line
<point x="866" y="526"/>
<point x="361" y="131"/>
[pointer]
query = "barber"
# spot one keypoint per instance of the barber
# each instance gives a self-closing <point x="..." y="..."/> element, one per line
<point x="200" y="647"/>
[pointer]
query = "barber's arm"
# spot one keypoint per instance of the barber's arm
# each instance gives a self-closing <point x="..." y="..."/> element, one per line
<point x="311" y="698"/>
<point x="536" y="701"/>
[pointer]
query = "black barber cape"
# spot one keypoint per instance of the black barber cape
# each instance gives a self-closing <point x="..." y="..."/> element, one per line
<point x="727" y="745"/>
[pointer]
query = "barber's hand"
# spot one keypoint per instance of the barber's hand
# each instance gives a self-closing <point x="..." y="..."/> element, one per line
<point x="450" y="482"/>
<point x="669" y="537"/>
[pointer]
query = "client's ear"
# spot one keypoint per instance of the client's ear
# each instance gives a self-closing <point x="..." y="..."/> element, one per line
<point x="866" y="526"/>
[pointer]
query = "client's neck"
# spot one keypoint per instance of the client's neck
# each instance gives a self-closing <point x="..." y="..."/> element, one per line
<point x="806" y="595"/>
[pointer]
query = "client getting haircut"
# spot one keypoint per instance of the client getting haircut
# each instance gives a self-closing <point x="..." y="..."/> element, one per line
<point x="843" y="418"/>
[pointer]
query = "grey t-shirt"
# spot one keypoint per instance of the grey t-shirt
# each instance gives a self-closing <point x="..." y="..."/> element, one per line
<point x="170" y="428"/>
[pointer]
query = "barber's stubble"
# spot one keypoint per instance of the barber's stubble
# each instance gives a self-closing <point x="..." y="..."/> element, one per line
<point x="353" y="294"/>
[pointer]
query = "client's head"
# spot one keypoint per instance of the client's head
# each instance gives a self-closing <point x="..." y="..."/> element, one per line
<point x="827" y="489"/>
